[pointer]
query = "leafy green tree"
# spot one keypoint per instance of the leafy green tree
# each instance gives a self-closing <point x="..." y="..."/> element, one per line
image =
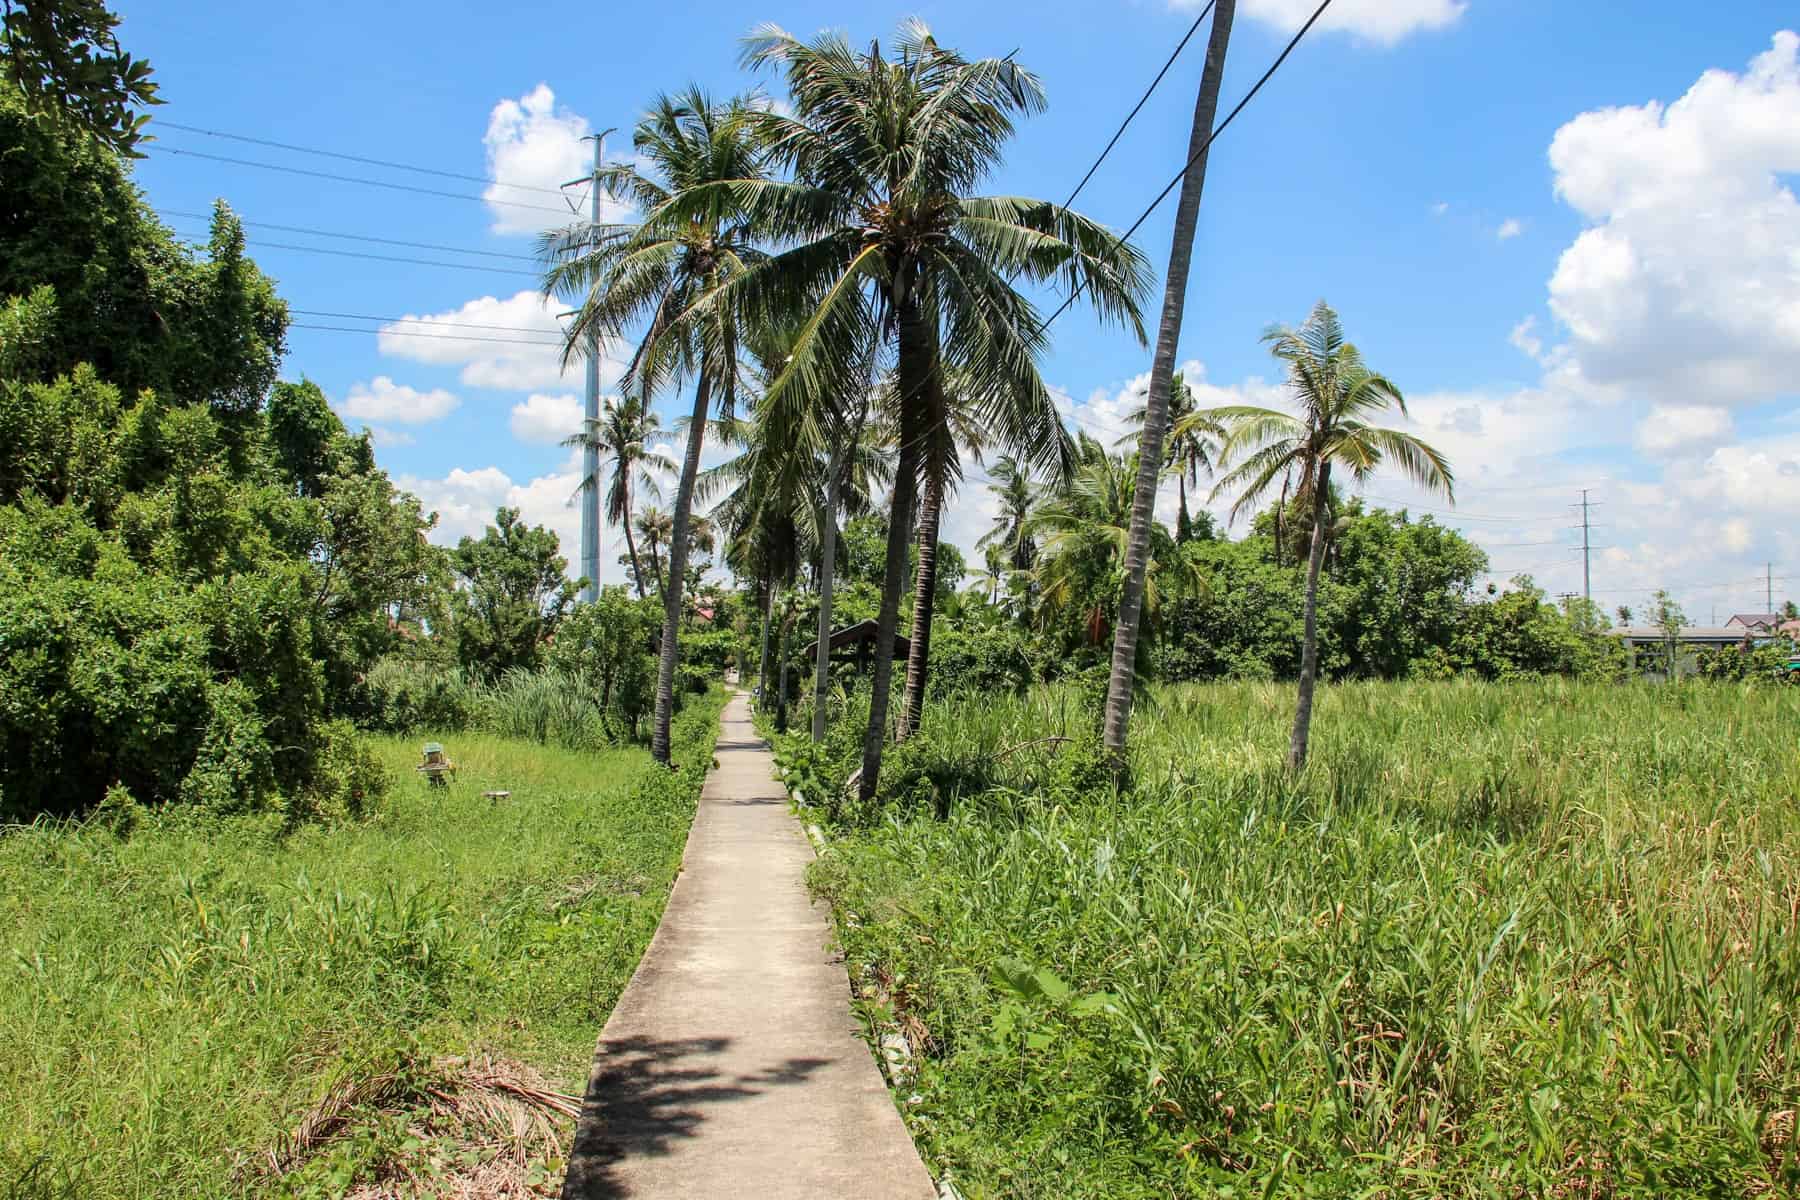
<point x="131" y="299"/>
<point x="883" y="239"/>
<point x="1400" y="588"/>
<point x="64" y="58"/>
<point x="693" y="240"/>
<point x="603" y="643"/>
<point x="1668" y="618"/>
<point x="1337" y="394"/>
<point x="514" y="595"/>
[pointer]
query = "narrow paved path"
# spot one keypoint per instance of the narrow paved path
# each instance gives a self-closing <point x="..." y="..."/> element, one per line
<point x="731" y="1066"/>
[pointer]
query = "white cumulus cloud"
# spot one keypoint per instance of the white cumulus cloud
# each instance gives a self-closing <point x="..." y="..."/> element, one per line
<point x="513" y="343"/>
<point x="534" y="147"/>
<point x="1510" y="228"/>
<point x="1673" y="428"/>
<point x="1380" y="21"/>
<point x="383" y="400"/>
<point x="546" y="418"/>
<point x="1686" y="285"/>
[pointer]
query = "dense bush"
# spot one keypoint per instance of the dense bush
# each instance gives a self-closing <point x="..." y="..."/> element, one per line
<point x="1756" y="664"/>
<point x="993" y="659"/>
<point x="709" y="651"/>
<point x="194" y="569"/>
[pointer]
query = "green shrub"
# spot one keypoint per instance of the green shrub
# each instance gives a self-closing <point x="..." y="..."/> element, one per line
<point x="979" y="660"/>
<point x="709" y="651"/>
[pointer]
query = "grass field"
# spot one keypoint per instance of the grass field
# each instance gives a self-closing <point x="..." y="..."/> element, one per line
<point x="175" y="1001"/>
<point x="1500" y="940"/>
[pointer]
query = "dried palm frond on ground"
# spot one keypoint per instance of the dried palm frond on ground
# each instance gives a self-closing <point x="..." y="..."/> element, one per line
<point x="484" y="1129"/>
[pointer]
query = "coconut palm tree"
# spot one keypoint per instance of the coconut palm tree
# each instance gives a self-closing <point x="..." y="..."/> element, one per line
<point x="1192" y="446"/>
<point x="622" y="437"/>
<point x="881" y="232"/>
<point x="657" y="528"/>
<point x="1162" y="370"/>
<point x="1337" y="395"/>
<point x="689" y="242"/>
<point x="1012" y="486"/>
<point x="1083" y="529"/>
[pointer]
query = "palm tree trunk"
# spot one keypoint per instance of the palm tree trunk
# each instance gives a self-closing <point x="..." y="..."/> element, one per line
<point x="1309" y="645"/>
<point x="1162" y="370"/>
<point x="924" y="601"/>
<point x="781" y="689"/>
<point x="637" y="569"/>
<point x="827" y="570"/>
<point x="914" y="369"/>
<point x="684" y="502"/>
<point x="656" y="561"/>
<point x="1184" y="528"/>
<point x="762" y="671"/>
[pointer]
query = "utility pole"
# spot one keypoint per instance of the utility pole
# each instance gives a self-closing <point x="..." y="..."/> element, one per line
<point x="1768" y="587"/>
<point x="590" y="412"/>
<point x="1587" y="589"/>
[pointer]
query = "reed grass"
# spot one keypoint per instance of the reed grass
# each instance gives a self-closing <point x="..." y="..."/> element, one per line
<point x="1498" y="940"/>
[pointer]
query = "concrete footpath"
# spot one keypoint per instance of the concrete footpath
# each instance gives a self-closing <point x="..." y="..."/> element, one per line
<point x="731" y="1065"/>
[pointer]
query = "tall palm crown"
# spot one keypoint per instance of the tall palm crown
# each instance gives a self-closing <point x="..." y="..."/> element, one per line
<point x="1190" y="447"/>
<point x="689" y="240"/>
<point x="884" y="241"/>
<point x="1082" y="529"/>
<point x="623" y="436"/>
<point x="1336" y="395"/>
<point x="1016" y="494"/>
<point x="657" y="529"/>
<point x="692" y="240"/>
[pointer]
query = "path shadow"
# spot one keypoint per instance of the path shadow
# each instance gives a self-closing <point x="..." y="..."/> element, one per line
<point x="646" y="1095"/>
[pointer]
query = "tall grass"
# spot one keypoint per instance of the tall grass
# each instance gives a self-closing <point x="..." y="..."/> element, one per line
<point x="174" y="1000"/>
<point x="1499" y="940"/>
<point x="549" y="707"/>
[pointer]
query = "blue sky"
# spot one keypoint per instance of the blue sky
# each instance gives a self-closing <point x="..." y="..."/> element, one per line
<point x="1579" y="277"/>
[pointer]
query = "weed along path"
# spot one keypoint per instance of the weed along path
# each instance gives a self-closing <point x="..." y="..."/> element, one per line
<point x="731" y="1065"/>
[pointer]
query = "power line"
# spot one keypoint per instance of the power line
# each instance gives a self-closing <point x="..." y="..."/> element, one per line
<point x="1120" y="241"/>
<point x="343" y="316"/>
<point x="417" y="262"/>
<point x="1138" y="107"/>
<point x="381" y="183"/>
<point x="355" y="158"/>
<point x="354" y="237"/>
<point x="440" y="337"/>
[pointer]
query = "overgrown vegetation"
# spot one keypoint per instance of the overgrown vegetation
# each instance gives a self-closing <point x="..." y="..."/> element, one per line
<point x="1497" y="940"/>
<point x="187" y="996"/>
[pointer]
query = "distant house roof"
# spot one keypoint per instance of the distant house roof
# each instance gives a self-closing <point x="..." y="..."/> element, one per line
<point x="1747" y="620"/>
<point x="1791" y="628"/>
<point x="862" y="631"/>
